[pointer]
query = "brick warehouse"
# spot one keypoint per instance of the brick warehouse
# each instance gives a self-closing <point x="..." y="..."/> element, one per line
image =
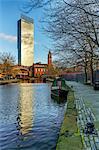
<point x="41" y="69"/>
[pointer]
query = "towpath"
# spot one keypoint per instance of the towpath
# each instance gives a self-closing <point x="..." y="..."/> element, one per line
<point x="87" y="104"/>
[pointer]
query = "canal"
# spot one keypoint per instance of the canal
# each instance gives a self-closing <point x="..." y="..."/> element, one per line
<point x="29" y="118"/>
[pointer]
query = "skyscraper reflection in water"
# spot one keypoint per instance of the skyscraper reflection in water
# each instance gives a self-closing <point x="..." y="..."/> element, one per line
<point x="26" y="112"/>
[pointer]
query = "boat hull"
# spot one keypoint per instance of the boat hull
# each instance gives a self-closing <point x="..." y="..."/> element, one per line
<point x="59" y="95"/>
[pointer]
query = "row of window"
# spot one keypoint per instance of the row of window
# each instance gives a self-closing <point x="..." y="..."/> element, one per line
<point x="40" y="69"/>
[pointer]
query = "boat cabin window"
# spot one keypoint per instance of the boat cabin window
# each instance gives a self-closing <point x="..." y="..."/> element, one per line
<point x="59" y="83"/>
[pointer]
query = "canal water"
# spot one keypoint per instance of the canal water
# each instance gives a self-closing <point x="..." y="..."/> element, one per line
<point x="29" y="118"/>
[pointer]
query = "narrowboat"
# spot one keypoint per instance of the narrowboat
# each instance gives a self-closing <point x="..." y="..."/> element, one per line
<point x="58" y="90"/>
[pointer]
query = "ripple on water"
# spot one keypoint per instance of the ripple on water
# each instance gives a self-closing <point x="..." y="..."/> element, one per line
<point x="35" y="119"/>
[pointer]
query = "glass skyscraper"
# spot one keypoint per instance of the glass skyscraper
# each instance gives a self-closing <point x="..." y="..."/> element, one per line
<point x="25" y="41"/>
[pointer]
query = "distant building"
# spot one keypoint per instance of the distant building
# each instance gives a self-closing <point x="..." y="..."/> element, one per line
<point x="49" y="58"/>
<point x="25" y="41"/>
<point x="21" y="72"/>
<point x="39" y="69"/>
<point x="25" y="72"/>
<point x="42" y="69"/>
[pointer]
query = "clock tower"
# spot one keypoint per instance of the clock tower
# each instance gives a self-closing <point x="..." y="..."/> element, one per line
<point x="49" y="58"/>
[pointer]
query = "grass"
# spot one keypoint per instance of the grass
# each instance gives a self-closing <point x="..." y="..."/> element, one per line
<point x="69" y="137"/>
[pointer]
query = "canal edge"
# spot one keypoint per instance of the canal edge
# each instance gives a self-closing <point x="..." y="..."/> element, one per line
<point x="69" y="135"/>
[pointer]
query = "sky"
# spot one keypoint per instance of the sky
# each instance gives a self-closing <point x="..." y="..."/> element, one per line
<point x="10" y="13"/>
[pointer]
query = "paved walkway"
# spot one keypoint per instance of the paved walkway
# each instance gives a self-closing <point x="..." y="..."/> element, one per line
<point x="87" y="104"/>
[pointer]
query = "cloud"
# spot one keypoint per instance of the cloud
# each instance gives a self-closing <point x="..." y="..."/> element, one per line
<point x="7" y="37"/>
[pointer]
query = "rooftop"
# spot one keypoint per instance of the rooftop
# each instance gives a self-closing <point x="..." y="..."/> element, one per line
<point x="26" y="18"/>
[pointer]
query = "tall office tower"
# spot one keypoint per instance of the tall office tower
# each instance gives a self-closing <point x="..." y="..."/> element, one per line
<point x="25" y="41"/>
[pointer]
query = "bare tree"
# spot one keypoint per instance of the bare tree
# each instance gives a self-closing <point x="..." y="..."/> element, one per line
<point x="74" y="27"/>
<point x="34" y="4"/>
<point x="7" y="61"/>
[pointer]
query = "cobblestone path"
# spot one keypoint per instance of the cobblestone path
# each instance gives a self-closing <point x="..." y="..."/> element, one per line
<point x="85" y="99"/>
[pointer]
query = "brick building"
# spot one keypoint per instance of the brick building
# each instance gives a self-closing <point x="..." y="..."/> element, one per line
<point x="41" y="69"/>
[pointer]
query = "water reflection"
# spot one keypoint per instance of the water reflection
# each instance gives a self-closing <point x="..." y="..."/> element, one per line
<point x="26" y="108"/>
<point x="29" y="119"/>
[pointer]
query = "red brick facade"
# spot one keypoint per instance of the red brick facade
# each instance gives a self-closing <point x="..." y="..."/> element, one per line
<point x="39" y="69"/>
<point x="49" y="58"/>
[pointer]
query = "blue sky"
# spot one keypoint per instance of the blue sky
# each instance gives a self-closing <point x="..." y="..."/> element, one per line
<point x="9" y="15"/>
